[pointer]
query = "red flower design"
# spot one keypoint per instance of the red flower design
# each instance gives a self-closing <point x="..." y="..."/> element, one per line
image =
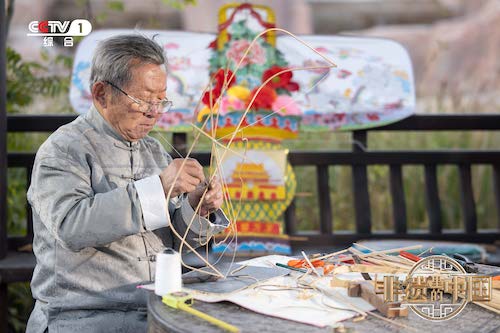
<point x="264" y="99"/>
<point x="213" y="44"/>
<point x="215" y="95"/>
<point x="220" y="77"/>
<point x="283" y="80"/>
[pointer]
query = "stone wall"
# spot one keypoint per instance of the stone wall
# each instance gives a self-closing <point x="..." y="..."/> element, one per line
<point x="456" y="58"/>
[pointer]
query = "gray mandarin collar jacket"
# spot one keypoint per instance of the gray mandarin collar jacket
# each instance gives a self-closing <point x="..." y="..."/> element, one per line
<point x="99" y="216"/>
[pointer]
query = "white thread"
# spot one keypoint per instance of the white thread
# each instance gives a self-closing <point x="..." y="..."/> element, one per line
<point x="168" y="276"/>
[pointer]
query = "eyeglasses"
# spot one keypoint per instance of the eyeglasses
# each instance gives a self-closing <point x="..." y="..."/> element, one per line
<point x="163" y="106"/>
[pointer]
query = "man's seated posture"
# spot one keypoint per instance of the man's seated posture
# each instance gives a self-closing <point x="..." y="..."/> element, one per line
<point x="98" y="194"/>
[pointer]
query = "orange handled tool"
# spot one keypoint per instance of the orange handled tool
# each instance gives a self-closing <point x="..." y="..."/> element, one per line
<point x="410" y="256"/>
<point x="297" y="263"/>
<point x="328" y="269"/>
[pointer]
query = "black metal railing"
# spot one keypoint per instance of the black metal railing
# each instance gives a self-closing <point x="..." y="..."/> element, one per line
<point x="359" y="158"/>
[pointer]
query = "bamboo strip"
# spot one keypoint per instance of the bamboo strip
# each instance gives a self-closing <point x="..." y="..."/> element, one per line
<point x="395" y="260"/>
<point x="392" y="259"/>
<point x="398" y="258"/>
<point x="365" y="255"/>
<point x="494" y="304"/>
<point x="360" y="268"/>
<point x="384" y="257"/>
<point x="331" y="255"/>
<point x="386" y="263"/>
<point x="488" y="307"/>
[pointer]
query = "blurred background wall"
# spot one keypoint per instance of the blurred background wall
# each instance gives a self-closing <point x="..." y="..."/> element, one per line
<point x="454" y="44"/>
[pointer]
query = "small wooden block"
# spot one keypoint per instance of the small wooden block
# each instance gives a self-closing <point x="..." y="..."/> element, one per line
<point x="366" y="290"/>
<point x="354" y="290"/>
<point x="336" y="282"/>
<point x="495" y="284"/>
<point x="397" y="312"/>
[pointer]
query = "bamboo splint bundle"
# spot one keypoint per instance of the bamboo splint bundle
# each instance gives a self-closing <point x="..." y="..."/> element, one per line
<point x="383" y="258"/>
<point x="374" y="262"/>
<point x="362" y="268"/>
<point x="335" y="256"/>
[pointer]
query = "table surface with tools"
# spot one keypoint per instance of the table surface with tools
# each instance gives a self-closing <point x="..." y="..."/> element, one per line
<point x="165" y="319"/>
<point x="473" y="318"/>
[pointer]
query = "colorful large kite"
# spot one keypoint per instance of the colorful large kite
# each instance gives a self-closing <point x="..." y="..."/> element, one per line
<point x="216" y="83"/>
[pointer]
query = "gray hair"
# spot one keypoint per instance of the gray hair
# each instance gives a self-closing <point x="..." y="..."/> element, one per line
<point x="115" y="56"/>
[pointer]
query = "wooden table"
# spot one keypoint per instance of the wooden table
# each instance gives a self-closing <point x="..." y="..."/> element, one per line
<point x="164" y="319"/>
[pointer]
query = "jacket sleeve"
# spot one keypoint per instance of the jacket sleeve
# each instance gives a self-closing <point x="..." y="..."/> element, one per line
<point x="183" y="217"/>
<point x="62" y="195"/>
<point x="200" y="228"/>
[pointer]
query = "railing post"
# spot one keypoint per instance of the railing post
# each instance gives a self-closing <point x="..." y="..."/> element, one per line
<point x="179" y="142"/>
<point x="325" y="205"/>
<point x="398" y="199"/>
<point x="467" y="198"/>
<point x="3" y="308"/>
<point x="360" y="186"/>
<point x="290" y="219"/>
<point x="432" y="199"/>
<point x="496" y="187"/>
<point x="3" y="133"/>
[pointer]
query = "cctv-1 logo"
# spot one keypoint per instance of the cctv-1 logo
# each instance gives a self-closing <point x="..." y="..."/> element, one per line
<point x="78" y="27"/>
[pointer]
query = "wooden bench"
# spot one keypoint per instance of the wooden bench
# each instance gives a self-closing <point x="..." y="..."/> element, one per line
<point x="17" y="266"/>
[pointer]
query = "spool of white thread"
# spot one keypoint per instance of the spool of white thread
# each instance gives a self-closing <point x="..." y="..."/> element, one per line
<point x="168" y="276"/>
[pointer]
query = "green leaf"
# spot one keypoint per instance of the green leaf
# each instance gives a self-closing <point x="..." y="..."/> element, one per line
<point x="77" y="39"/>
<point x="44" y="54"/>
<point x="25" y="80"/>
<point x="66" y="61"/>
<point x="81" y="3"/>
<point x="116" y="5"/>
<point x="101" y="17"/>
<point x="179" y="4"/>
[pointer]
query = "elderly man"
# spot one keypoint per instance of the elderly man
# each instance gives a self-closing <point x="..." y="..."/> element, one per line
<point x="98" y="194"/>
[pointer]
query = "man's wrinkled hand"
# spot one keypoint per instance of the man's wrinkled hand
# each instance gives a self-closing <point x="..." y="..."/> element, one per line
<point x="211" y="201"/>
<point x="190" y="175"/>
